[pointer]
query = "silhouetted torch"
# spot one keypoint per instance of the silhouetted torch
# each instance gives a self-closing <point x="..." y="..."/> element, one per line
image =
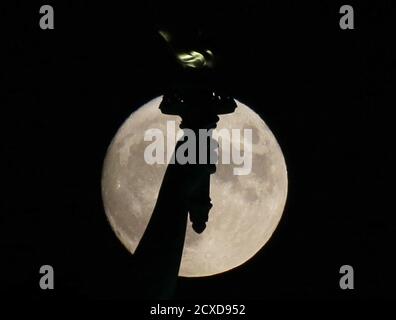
<point x="195" y="99"/>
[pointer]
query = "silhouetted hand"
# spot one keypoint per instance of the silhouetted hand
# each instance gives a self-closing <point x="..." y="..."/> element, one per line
<point x="188" y="186"/>
<point x="185" y="188"/>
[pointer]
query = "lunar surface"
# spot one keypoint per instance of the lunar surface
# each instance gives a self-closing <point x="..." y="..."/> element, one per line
<point x="246" y="208"/>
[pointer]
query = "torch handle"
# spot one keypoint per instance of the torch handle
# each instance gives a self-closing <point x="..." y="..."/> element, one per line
<point x="200" y="202"/>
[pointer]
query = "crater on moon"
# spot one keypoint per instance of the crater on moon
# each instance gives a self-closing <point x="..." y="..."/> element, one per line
<point x="246" y="208"/>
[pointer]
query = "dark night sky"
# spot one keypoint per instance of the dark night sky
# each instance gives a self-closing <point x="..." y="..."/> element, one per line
<point x="325" y="93"/>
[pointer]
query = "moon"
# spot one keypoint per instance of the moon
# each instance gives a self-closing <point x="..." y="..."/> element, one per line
<point x="246" y="208"/>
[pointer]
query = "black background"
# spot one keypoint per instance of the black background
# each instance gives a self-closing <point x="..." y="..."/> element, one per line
<point x="324" y="92"/>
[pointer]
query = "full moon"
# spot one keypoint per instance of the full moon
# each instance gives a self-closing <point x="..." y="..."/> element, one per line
<point x="246" y="208"/>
